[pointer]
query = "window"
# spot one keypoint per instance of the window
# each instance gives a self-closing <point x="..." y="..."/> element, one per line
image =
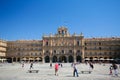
<point x="99" y="43"/>
<point x="95" y="53"/>
<point x="54" y="51"/>
<point x="100" y="53"/>
<point x="78" y="43"/>
<point x="35" y="54"/>
<point x="110" y="48"/>
<point x="70" y="51"/>
<point x="39" y="53"/>
<point x="62" y="51"/>
<point x="47" y="51"/>
<point x="110" y="53"/>
<point x="47" y="43"/>
<point x="78" y="51"/>
<point x="90" y="53"/>
<point x="105" y="53"/>
<point x="85" y="48"/>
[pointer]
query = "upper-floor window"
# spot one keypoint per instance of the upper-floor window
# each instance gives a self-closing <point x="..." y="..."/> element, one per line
<point x="110" y="48"/>
<point x="31" y="53"/>
<point x="78" y="43"/>
<point x="78" y="51"/>
<point x="62" y="51"/>
<point x="90" y="53"/>
<point x="54" y="51"/>
<point x="47" y="43"/>
<point x="105" y="53"/>
<point x="18" y="54"/>
<point x="39" y="53"/>
<point x="85" y="48"/>
<point x="99" y="43"/>
<point x="110" y="53"/>
<point x="85" y="43"/>
<point x="70" y="51"/>
<point x="35" y="54"/>
<point x="100" y="48"/>
<point x="47" y="51"/>
<point x="95" y="53"/>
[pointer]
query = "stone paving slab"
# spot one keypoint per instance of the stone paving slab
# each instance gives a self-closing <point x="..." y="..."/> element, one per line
<point x="16" y="72"/>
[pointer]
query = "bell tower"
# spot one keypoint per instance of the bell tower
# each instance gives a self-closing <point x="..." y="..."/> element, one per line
<point x="63" y="31"/>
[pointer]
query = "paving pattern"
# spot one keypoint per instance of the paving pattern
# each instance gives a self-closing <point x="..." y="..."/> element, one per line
<point x="16" y="72"/>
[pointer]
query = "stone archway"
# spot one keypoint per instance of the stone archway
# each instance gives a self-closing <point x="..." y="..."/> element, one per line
<point x="70" y="58"/>
<point x="91" y="58"/>
<point x="79" y="59"/>
<point x="62" y="59"/>
<point x="47" y="59"/>
<point x="18" y="59"/>
<point x="54" y="58"/>
<point x="9" y="60"/>
<point x="14" y="59"/>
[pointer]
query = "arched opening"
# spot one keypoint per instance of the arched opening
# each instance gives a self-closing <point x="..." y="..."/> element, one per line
<point x="79" y="59"/>
<point x="40" y="60"/>
<point x="91" y="59"/>
<point x="14" y="59"/>
<point x="18" y="59"/>
<point x="9" y="60"/>
<point x="70" y="59"/>
<point x="47" y="59"/>
<point x="62" y="59"/>
<point x="54" y="58"/>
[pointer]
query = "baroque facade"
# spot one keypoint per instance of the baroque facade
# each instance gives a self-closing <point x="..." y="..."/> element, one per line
<point x="64" y="47"/>
<point x="24" y="50"/>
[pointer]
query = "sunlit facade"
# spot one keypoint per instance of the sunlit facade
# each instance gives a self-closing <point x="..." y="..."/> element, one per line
<point x="3" y="46"/>
<point x="64" y="47"/>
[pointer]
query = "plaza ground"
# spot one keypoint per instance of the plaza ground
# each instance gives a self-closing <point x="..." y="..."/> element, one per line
<point x="14" y="71"/>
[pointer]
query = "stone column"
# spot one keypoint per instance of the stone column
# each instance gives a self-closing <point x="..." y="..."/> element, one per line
<point x="50" y="56"/>
<point x="12" y="59"/>
<point x="67" y="59"/>
<point x="74" y="56"/>
<point x="16" y="59"/>
<point x="58" y="58"/>
<point x="83" y="54"/>
<point x="43" y="57"/>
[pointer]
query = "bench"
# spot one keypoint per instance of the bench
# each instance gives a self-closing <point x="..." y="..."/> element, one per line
<point x="33" y="71"/>
<point x="86" y="72"/>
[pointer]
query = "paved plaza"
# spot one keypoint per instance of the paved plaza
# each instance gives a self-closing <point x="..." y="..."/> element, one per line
<point x="14" y="71"/>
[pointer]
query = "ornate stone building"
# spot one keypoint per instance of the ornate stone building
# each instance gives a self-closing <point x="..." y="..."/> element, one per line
<point x="3" y="46"/>
<point x="24" y="50"/>
<point x="102" y="49"/>
<point x="64" y="47"/>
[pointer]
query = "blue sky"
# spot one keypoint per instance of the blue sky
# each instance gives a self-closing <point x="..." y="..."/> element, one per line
<point x="30" y="19"/>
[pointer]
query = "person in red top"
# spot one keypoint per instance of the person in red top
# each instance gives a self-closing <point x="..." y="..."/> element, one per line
<point x="56" y="69"/>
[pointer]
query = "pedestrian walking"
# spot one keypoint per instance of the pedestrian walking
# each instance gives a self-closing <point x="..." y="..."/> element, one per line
<point x="75" y="70"/>
<point x="50" y="65"/>
<point x="115" y="68"/>
<point x="56" y="69"/>
<point x="110" y="68"/>
<point x="31" y="65"/>
<point x="22" y="64"/>
<point x="91" y="65"/>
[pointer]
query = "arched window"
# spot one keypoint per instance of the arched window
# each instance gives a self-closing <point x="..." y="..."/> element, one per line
<point x="85" y="48"/>
<point x="99" y="43"/>
<point x="54" y="51"/>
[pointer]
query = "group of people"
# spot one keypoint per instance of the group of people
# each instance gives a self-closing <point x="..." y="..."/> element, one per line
<point x="114" y="69"/>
